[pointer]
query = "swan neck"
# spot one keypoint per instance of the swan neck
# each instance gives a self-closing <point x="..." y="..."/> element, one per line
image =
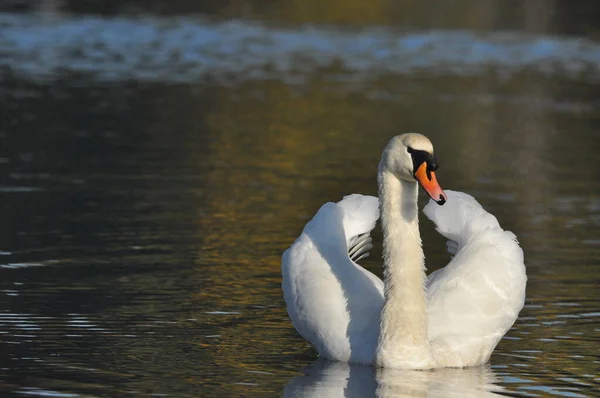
<point x="403" y="340"/>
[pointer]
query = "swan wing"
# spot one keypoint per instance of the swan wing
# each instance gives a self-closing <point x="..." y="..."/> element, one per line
<point x="477" y="297"/>
<point x="332" y="301"/>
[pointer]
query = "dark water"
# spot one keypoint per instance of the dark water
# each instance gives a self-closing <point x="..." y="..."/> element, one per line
<point x="151" y="178"/>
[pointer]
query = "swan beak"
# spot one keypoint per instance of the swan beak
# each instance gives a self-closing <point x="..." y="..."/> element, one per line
<point x="429" y="183"/>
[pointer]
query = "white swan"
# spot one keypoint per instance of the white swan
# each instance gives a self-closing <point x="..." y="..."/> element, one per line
<point x="454" y="318"/>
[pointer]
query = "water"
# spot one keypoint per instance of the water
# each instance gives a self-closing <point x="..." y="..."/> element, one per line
<point x="176" y="49"/>
<point x="145" y="201"/>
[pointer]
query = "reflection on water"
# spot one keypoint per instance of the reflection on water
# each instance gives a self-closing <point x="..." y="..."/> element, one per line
<point x="157" y="255"/>
<point x="143" y="219"/>
<point x="330" y="379"/>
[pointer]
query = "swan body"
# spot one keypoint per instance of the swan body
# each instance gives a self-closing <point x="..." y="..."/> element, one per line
<point x="453" y="318"/>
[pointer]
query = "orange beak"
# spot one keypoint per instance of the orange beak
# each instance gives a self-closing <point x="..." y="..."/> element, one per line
<point x="430" y="184"/>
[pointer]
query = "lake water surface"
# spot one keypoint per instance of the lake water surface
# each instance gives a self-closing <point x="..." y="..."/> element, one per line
<point x="154" y="168"/>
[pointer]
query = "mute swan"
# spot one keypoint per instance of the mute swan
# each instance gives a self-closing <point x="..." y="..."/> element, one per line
<point x="454" y="318"/>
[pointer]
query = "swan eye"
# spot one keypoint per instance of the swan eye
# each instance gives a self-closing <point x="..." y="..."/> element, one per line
<point x="409" y="149"/>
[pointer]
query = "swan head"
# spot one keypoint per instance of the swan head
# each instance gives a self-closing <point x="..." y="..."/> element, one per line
<point x="410" y="157"/>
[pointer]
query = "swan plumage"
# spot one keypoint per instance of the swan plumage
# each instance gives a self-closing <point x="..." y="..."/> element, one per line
<point x="476" y="298"/>
<point x="338" y="306"/>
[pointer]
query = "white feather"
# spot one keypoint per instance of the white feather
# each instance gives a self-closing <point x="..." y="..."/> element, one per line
<point x="324" y="289"/>
<point x="476" y="298"/>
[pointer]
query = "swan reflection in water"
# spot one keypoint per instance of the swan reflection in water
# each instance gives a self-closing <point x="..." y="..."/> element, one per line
<point x="328" y="379"/>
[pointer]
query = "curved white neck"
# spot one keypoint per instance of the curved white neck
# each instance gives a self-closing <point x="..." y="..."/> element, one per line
<point x="403" y="340"/>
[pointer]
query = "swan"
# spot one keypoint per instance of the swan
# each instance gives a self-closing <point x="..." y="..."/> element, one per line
<point x="453" y="318"/>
